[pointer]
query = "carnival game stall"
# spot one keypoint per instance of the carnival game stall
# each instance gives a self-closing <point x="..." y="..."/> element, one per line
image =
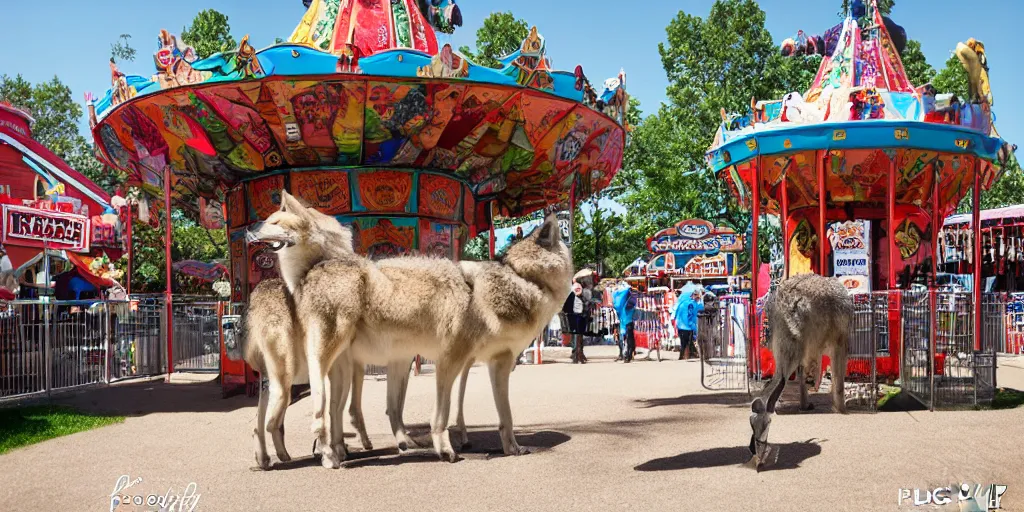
<point x="47" y="205"/>
<point x="363" y="114"/>
<point x="864" y="144"/>
<point x="1002" y="264"/>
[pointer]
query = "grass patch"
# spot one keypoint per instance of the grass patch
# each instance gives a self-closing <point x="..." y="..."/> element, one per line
<point x="23" y="426"/>
<point x="1007" y="399"/>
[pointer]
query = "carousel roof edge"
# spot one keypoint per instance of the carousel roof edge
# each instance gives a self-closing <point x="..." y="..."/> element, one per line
<point x="878" y="134"/>
<point x="290" y="61"/>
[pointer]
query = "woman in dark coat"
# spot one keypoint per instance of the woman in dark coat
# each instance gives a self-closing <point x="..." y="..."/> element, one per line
<point x="575" y="310"/>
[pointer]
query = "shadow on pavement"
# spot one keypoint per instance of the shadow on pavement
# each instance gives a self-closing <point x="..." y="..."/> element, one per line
<point x="139" y="398"/>
<point x="483" y="445"/>
<point x="731" y="399"/>
<point x="790" y="457"/>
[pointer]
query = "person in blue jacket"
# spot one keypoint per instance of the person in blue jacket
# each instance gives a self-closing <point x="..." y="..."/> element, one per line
<point x="624" y="301"/>
<point x="689" y="304"/>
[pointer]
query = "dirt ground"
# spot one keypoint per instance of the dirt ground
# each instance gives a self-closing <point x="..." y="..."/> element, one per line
<point x="604" y="436"/>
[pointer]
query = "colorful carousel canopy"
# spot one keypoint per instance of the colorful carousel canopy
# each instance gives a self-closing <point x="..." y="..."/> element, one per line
<point x="861" y="115"/>
<point x="364" y="88"/>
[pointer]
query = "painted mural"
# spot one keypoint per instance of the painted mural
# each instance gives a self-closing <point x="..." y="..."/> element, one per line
<point x="327" y="191"/>
<point x="437" y="240"/>
<point x="239" y="269"/>
<point x="237" y="211"/>
<point x="264" y="196"/>
<point x="384" y="191"/>
<point x="262" y="264"/>
<point x="438" y="196"/>
<point x="384" y="237"/>
<point x="517" y="143"/>
<point x="695" y="247"/>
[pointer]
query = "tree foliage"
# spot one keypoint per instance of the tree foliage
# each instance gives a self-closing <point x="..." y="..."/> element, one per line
<point x="885" y="6"/>
<point x="209" y="33"/>
<point x="121" y="50"/>
<point x="501" y="34"/>
<point x="919" y="72"/>
<point x="952" y="79"/>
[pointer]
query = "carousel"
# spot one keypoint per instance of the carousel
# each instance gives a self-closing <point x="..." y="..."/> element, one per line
<point x="365" y="116"/>
<point x="865" y="158"/>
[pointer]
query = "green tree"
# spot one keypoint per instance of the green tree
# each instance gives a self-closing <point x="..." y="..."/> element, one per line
<point x="209" y="33"/>
<point x="121" y="50"/>
<point x="476" y="248"/>
<point x="501" y="34"/>
<point x="919" y="72"/>
<point x="952" y="79"/>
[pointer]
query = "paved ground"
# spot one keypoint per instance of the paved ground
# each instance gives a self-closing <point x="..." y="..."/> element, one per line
<point x="605" y="436"/>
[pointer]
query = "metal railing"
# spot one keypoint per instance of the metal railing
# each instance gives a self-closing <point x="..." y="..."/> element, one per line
<point x="50" y="346"/>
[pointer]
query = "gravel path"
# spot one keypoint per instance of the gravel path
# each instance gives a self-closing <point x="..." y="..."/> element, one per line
<point x="605" y="436"/>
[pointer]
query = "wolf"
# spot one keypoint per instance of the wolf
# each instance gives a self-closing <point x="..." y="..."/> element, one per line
<point x="272" y="335"/>
<point x="808" y="316"/>
<point x="394" y="309"/>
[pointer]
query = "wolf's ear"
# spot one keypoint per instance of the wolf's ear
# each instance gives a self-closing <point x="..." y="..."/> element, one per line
<point x="549" y="233"/>
<point x="292" y="204"/>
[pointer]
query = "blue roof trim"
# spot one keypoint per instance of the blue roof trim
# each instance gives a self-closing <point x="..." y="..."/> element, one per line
<point x="853" y="135"/>
<point x="298" y="60"/>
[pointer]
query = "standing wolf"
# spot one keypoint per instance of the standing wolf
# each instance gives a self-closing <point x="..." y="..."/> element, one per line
<point x="808" y="316"/>
<point x="393" y="309"/>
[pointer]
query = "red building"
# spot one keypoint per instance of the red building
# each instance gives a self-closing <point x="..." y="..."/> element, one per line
<point x="48" y="205"/>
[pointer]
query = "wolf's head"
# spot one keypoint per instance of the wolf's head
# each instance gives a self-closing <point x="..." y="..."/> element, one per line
<point x="543" y="258"/>
<point x="302" y="237"/>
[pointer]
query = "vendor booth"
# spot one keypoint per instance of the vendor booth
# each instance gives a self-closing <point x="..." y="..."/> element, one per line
<point x="48" y="206"/>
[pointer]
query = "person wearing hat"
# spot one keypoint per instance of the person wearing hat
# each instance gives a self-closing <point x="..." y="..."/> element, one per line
<point x="575" y="315"/>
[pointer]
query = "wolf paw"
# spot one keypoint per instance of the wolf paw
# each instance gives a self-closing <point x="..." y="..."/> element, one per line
<point x="263" y="461"/>
<point x="367" y="445"/>
<point x="517" y="450"/>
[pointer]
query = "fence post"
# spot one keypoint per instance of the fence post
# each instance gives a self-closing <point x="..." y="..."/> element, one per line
<point x="932" y="339"/>
<point x="107" y="339"/>
<point x="874" y="353"/>
<point x="48" y="335"/>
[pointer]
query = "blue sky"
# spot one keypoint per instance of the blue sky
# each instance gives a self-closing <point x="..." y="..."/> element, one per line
<point x="71" y="39"/>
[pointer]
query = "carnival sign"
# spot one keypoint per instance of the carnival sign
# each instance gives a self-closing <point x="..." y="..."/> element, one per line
<point x="850" y="248"/>
<point x="695" y="236"/>
<point x="707" y="266"/>
<point x="42" y="228"/>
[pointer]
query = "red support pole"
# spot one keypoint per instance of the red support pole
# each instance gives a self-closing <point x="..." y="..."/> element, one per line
<point x="785" y="223"/>
<point x="976" y="270"/>
<point x="933" y="289"/>
<point x="755" y="267"/>
<point x="167" y="260"/>
<point x="822" y="205"/>
<point x="890" y="219"/>
<point x="131" y="251"/>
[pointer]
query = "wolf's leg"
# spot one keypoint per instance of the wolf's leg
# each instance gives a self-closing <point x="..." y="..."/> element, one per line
<point x="460" y="419"/>
<point x="280" y="394"/>
<point x="839" y="376"/>
<point x="801" y="380"/>
<point x="500" y="368"/>
<point x="398" y="381"/>
<point x="340" y="385"/>
<point x="320" y="359"/>
<point x="260" y="432"/>
<point x="355" y="409"/>
<point x="446" y="373"/>
<point x="777" y="385"/>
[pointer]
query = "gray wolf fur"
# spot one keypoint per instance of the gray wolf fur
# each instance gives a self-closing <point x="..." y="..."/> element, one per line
<point x="272" y="335"/>
<point x="808" y="316"/>
<point x="454" y="313"/>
